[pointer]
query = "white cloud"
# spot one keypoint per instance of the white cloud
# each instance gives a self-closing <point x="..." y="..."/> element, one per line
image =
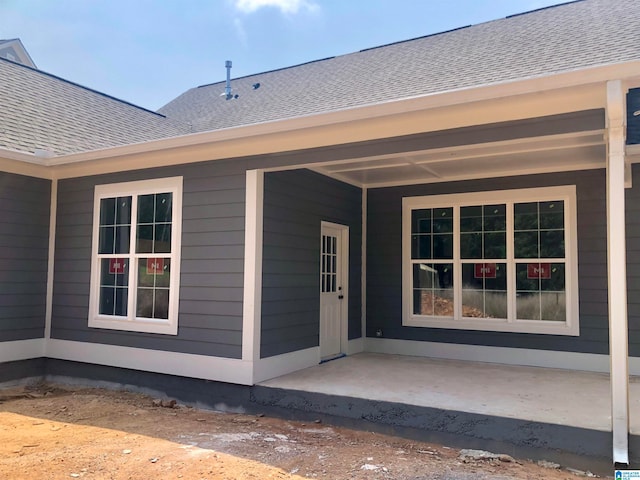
<point x="285" y="6"/>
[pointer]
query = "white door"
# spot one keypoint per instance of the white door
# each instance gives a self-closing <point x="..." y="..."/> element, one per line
<point x="333" y="246"/>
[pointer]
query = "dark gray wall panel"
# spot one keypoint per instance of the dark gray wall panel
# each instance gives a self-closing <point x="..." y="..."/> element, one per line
<point x="210" y="320"/>
<point x="24" y="249"/>
<point x="633" y="121"/>
<point x="296" y="202"/>
<point x="384" y="264"/>
<point x="633" y="259"/>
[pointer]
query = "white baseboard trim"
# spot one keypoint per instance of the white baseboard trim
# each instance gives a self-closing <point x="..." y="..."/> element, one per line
<point x="172" y="363"/>
<point x="267" y="368"/>
<point x="355" y="346"/>
<point x="22" y="350"/>
<point x="509" y="356"/>
<point x="247" y="373"/>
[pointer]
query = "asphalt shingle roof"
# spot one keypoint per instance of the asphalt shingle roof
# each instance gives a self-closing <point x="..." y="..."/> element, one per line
<point x="566" y="37"/>
<point x="41" y="111"/>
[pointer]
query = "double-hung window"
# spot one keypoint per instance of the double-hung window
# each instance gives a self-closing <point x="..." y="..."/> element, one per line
<point x="497" y="261"/>
<point x="135" y="269"/>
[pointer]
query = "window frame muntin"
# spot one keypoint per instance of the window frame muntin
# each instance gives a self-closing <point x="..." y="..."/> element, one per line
<point x="567" y="193"/>
<point x="131" y="322"/>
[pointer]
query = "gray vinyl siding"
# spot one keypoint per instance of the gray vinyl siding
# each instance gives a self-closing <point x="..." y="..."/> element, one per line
<point x="633" y="121"/>
<point x="295" y="204"/>
<point x="24" y="247"/>
<point x="633" y="262"/>
<point x="384" y="264"/>
<point x="211" y="282"/>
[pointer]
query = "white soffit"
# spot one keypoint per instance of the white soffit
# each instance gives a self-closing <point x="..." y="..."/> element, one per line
<point x="574" y="151"/>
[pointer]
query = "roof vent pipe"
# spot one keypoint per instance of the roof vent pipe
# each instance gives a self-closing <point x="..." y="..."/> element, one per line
<point x="227" y="89"/>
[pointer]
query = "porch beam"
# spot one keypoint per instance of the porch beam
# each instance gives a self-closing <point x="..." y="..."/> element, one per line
<point x="617" y="273"/>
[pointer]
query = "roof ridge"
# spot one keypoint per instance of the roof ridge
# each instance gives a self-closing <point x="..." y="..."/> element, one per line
<point x="268" y="71"/>
<point x="468" y="26"/>
<point x="102" y="94"/>
<point x="544" y="8"/>
<point x="415" y="38"/>
<point x="393" y="43"/>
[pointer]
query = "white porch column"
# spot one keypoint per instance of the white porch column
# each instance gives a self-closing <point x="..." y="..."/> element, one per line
<point x="617" y="277"/>
<point x="252" y="303"/>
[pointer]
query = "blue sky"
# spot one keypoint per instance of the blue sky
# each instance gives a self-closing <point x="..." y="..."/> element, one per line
<point x="148" y="52"/>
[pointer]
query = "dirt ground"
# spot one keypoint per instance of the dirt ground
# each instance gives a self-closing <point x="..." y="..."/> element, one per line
<point x="55" y="432"/>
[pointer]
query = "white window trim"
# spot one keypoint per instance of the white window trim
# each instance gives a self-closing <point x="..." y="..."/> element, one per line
<point x="565" y="193"/>
<point x="132" y="323"/>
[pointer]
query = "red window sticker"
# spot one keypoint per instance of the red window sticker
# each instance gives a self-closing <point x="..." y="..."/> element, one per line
<point x="116" y="266"/>
<point x="484" y="270"/>
<point x="155" y="266"/>
<point x="539" y="271"/>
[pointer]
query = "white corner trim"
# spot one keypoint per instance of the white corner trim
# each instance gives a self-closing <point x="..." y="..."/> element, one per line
<point x="252" y="300"/>
<point x="53" y="209"/>
<point x="22" y="350"/>
<point x="267" y="368"/>
<point x="479" y="353"/>
<point x="218" y="369"/>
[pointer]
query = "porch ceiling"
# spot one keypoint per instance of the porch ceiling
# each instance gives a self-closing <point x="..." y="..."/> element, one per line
<point x="549" y="153"/>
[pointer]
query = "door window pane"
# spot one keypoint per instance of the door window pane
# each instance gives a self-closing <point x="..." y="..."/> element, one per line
<point x="328" y="264"/>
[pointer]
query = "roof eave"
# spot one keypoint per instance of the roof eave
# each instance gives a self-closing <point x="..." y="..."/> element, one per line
<point x="628" y="71"/>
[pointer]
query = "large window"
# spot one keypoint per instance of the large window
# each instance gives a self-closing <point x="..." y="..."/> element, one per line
<point x="500" y="261"/>
<point x="135" y="267"/>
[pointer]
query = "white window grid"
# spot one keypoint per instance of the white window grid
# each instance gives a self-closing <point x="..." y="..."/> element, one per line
<point x="132" y="322"/>
<point x="510" y="324"/>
